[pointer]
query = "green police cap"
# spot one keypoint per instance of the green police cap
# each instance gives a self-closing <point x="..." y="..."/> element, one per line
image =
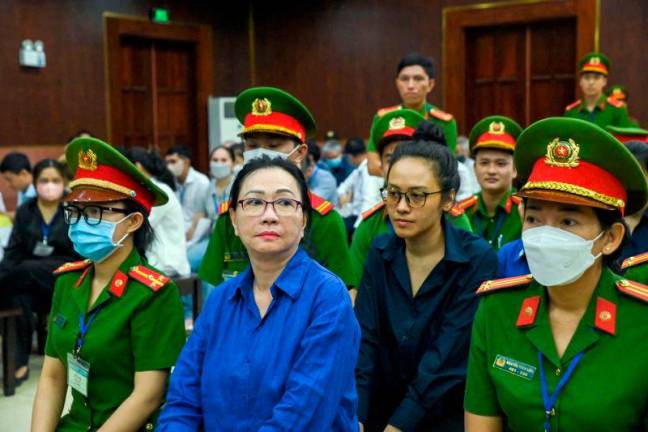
<point x="574" y="161"/>
<point x="494" y="132"/>
<point x="272" y="110"/>
<point x="628" y="133"/>
<point x="396" y="125"/>
<point x="103" y="174"/>
<point x="594" y="62"/>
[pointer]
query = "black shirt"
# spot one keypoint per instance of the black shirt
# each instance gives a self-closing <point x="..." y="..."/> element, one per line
<point x="413" y="356"/>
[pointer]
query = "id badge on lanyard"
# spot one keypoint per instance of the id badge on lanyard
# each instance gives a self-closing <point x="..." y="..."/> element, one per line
<point x="42" y="248"/>
<point x="79" y="369"/>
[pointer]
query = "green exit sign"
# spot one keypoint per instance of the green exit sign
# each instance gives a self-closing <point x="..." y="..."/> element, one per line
<point x="159" y="15"/>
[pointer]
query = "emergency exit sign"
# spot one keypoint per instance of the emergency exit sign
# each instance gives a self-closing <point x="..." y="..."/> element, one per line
<point x="159" y="15"/>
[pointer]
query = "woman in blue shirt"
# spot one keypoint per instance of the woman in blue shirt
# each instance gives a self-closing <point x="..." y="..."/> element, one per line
<point x="416" y="301"/>
<point x="275" y="347"/>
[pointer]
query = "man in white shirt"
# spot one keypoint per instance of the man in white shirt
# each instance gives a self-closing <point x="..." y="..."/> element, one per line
<point x="191" y="185"/>
<point x="16" y="170"/>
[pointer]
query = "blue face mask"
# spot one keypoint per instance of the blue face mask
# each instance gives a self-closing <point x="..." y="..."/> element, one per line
<point x="95" y="242"/>
<point x="334" y="163"/>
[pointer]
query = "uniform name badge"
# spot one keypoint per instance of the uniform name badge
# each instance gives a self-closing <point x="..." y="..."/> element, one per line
<point x="227" y="275"/>
<point x="514" y="367"/>
<point x="42" y="249"/>
<point x="78" y="372"/>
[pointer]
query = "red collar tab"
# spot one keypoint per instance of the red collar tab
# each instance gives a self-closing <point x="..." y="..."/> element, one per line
<point x="528" y="311"/>
<point x="118" y="284"/>
<point x="605" y="316"/>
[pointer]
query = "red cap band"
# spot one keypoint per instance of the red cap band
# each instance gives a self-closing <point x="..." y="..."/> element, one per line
<point x="407" y="131"/>
<point x="275" y="122"/>
<point x="502" y="140"/>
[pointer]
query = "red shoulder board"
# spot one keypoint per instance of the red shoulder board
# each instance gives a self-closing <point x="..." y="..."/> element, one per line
<point x="148" y="277"/>
<point x="441" y="115"/>
<point x="372" y="210"/>
<point x="573" y="105"/>
<point x="498" y="284"/>
<point x="72" y="266"/>
<point x="634" y="260"/>
<point x="634" y="289"/>
<point x="517" y="200"/>
<point x="382" y="111"/>
<point x="615" y="103"/>
<point x="320" y="205"/>
<point x="466" y="203"/>
<point x="223" y="208"/>
<point x="456" y="210"/>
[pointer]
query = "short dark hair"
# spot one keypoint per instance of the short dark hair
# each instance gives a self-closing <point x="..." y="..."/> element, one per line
<point x="15" y="162"/>
<point x="238" y="149"/>
<point x="47" y="163"/>
<point x="152" y="163"/>
<point x="144" y="236"/>
<point x="428" y="131"/>
<point x="416" y="59"/>
<point x="639" y="150"/>
<point x="314" y="150"/>
<point x="443" y="162"/>
<point x="181" y="150"/>
<point x="355" y="147"/>
<point x="266" y="162"/>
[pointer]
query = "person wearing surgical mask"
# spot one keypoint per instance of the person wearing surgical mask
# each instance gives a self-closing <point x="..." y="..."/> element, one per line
<point x="191" y="185"/>
<point x="38" y="244"/>
<point x="561" y="348"/>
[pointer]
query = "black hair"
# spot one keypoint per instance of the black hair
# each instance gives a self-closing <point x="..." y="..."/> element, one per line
<point x="48" y="163"/>
<point x="639" y="150"/>
<point x="79" y="133"/>
<point x="444" y="164"/>
<point x="144" y="236"/>
<point x="15" y="162"/>
<point x="355" y="147"/>
<point x="238" y="149"/>
<point x="314" y="150"/>
<point x="181" y="150"/>
<point x="416" y="59"/>
<point x="428" y="131"/>
<point x="229" y="151"/>
<point x="266" y="162"/>
<point x="152" y="163"/>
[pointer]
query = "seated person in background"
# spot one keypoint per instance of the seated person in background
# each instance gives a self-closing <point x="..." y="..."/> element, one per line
<point x="320" y="181"/>
<point x="469" y="184"/>
<point x="335" y="162"/>
<point x="191" y="185"/>
<point x="493" y="211"/>
<point x="275" y="347"/>
<point x="38" y="245"/>
<point x="238" y="150"/>
<point x="416" y="300"/>
<point x="167" y="251"/>
<point x="16" y="170"/>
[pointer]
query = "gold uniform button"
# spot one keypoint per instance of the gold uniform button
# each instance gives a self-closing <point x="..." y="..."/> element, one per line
<point x="528" y="311"/>
<point x="605" y="316"/>
<point x="119" y="283"/>
<point x="558" y="372"/>
<point x="149" y="426"/>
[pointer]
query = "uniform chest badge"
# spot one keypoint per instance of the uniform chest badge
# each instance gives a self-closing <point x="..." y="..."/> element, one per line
<point x="514" y="367"/>
<point x="563" y="154"/>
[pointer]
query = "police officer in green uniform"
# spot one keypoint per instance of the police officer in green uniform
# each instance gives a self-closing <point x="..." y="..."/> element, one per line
<point x="276" y="124"/>
<point x="594" y="106"/>
<point x="390" y="130"/>
<point x="621" y="94"/>
<point x="414" y="81"/>
<point x="116" y="325"/>
<point x="493" y="211"/>
<point x="557" y="350"/>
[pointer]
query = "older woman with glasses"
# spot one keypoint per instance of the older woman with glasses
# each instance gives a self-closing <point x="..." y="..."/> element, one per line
<point x="416" y="299"/>
<point x="274" y="347"/>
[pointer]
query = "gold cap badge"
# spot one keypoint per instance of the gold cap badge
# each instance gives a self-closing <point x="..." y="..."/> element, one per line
<point x="396" y="123"/>
<point x="562" y="154"/>
<point x="261" y="107"/>
<point x="88" y="160"/>
<point x="595" y="61"/>
<point x="496" y="128"/>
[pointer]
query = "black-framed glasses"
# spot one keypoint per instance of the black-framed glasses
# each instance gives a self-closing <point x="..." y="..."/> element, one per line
<point x="93" y="214"/>
<point x="258" y="206"/>
<point x="414" y="199"/>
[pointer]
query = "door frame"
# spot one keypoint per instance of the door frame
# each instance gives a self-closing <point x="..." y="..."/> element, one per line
<point x="458" y="19"/>
<point x="116" y="26"/>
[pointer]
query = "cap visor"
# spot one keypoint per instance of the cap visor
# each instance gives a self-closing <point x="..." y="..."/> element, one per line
<point x="94" y="195"/>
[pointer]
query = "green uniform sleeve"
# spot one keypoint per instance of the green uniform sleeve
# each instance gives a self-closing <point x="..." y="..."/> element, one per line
<point x="211" y="267"/>
<point x="157" y="330"/>
<point x="54" y="311"/>
<point x="371" y="144"/>
<point x="360" y="245"/>
<point x="623" y="119"/>
<point x="329" y="239"/>
<point x="481" y="398"/>
<point x="462" y="221"/>
<point x="450" y="133"/>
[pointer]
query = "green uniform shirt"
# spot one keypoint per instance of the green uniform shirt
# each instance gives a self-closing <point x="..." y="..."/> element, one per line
<point x="325" y="241"/>
<point x="497" y="230"/>
<point x="141" y="330"/>
<point x="449" y="126"/>
<point x="608" y="112"/>
<point x="608" y="390"/>
<point x="377" y="224"/>
<point x="638" y="273"/>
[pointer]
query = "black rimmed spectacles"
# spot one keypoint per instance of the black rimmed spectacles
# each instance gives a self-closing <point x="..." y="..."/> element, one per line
<point x="414" y="199"/>
<point x="93" y="214"/>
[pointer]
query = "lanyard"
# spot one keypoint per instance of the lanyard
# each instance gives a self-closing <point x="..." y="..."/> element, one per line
<point x="500" y="218"/>
<point x="45" y="228"/>
<point x="550" y="400"/>
<point x="84" y="326"/>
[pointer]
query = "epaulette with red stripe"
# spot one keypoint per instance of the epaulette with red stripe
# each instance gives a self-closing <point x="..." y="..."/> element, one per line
<point x="367" y="213"/>
<point x="72" y="266"/>
<point x="512" y="200"/>
<point x="634" y="260"/>
<point x="573" y="105"/>
<point x="382" y="111"/>
<point x="456" y="211"/>
<point x="441" y="115"/>
<point x="466" y="203"/>
<point x="320" y="205"/>
<point x="224" y="207"/>
<point x="148" y="277"/>
<point x="633" y="289"/>
<point x="499" y="284"/>
<point x="615" y="102"/>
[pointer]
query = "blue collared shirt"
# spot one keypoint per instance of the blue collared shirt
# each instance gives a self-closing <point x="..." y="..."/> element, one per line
<point x="512" y="261"/>
<point x="292" y="370"/>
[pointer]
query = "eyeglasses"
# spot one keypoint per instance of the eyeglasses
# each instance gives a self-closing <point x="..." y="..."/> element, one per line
<point x="414" y="199"/>
<point x="93" y="214"/>
<point x="258" y="206"/>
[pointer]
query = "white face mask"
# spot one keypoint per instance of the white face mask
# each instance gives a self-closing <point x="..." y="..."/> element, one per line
<point x="557" y="257"/>
<point x="176" y="168"/>
<point x="248" y="155"/>
<point x="219" y="170"/>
